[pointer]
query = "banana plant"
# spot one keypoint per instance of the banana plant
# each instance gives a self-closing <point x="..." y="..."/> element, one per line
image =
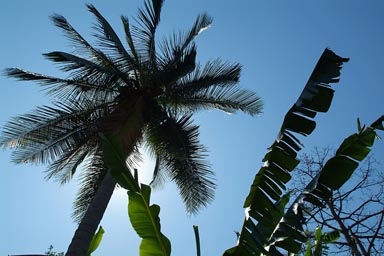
<point x="266" y="200"/>
<point x="143" y="216"/>
<point x="288" y="233"/>
<point x="321" y="241"/>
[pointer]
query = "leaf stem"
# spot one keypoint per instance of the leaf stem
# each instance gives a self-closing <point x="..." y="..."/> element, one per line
<point x="197" y="238"/>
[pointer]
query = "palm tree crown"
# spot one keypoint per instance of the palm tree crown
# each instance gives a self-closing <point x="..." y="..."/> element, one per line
<point x="145" y="92"/>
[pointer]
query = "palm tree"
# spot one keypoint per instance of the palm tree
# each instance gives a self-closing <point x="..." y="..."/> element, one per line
<point x="145" y="94"/>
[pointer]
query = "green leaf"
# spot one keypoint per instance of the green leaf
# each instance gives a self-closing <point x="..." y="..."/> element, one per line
<point x="274" y="229"/>
<point x="333" y="175"/>
<point x="313" y="200"/>
<point x="143" y="216"/>
<point x="318" y="234"/>
<point x="289" y="245"/>
<point x="308" y="251"/>
<point x="298" y="123"/>
<point x="146" y="222"/>
<point x="96" y="241"/>
<point x="281" y="158"/>
<point x="359" y="125"/>
<point x="354" y="148"/>
<point x="330" y="237"/>
<point x="321" y="239"/>
<point x="337" y="171"/>
<point x="114" y="158"/>
<point x="378" y="124"/>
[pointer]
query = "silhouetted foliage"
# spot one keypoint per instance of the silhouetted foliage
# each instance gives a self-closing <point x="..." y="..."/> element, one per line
<point x="356" y="209"/>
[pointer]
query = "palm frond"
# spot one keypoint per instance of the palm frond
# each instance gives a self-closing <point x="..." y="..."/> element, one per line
<point x="214" y="73"/>
<point x="173" y="48"/>
<point x="214" y="86"/>
<point x="129" y="38"/>
<point x="63" y="168"/>
<point x="228" y="99"/>
<point x="194" y="179"/>
<point x="183" y="158"/>
<point x="90" y="180"/>
<point x="202" y="22"/>
<point x="81" y="66"/>
<point x="137" y="59"/>
<point x="111" y="42"/>
<point x="182" y="66"/>
<point x="49" y="150"/>
<point x="80" y="44"/>
<point x="83" y="69"/>
<point x="87" y="50"/>
<point x="159" y="177"/>
<point x="56" y="86"/>
<point x="148" y="20"/>
<point x="48" y="132"/>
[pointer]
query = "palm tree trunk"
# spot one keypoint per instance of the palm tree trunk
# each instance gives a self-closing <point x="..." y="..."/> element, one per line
<point x="91" y="220"/>
<point x="129" y="132"/>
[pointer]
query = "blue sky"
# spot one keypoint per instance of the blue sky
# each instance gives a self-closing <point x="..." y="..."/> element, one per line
<point x="278" y="44"/>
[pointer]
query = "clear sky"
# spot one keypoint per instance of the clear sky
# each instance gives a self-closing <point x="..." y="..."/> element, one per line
<point x="278" y="44"/>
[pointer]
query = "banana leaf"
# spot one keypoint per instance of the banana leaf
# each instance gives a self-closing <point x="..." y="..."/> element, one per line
<point x="336" y="171"/>
<point x="144" y="217"/>
<point x="146" y="222"/>
<point x="321" y="241"/>
<point x="265" y="198"/>
<point x="96" y="240"/>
